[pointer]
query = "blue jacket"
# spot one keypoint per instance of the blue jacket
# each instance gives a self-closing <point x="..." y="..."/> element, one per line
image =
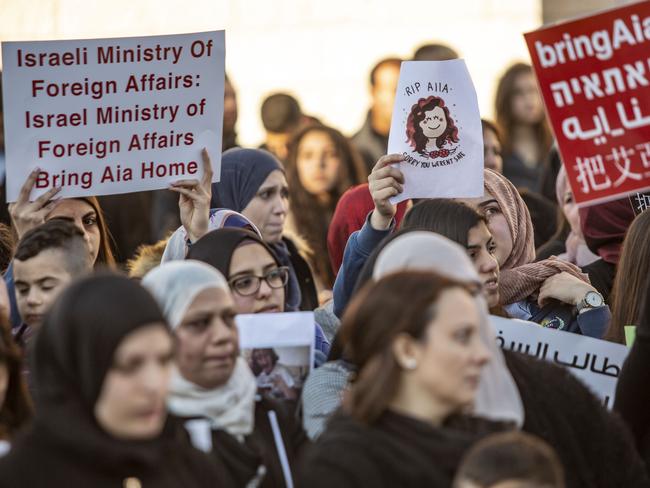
<point x="359" y="247"/>
<point x="561" y="316"/>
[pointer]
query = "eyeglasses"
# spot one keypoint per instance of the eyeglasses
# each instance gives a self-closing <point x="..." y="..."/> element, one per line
<point x="250" y="284"/>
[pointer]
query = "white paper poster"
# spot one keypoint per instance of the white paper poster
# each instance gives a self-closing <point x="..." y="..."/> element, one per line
<point x="436" y="126"/>
<point x="279" y="348"/>
<point x="595" y="362"/>
<point x="106" y="116"/>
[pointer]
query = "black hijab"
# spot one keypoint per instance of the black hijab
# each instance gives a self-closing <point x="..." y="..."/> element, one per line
<point x="217" y="247"/>
<point x="72" y="354"/>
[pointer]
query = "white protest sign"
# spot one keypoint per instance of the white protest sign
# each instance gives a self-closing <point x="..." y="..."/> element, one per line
<point x="436" y="126"/>
<point x="107" y="116"/>
<point x="595" y="362"/>
<point x="279" y="348"/>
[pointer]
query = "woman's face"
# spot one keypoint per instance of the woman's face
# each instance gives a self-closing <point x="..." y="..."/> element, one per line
<point x="434" y="123"/>
<point x="250" y="260"/>
<point x="526" y="104"/>
<point x="84" y="216"/>
<point x="264" y="360"/>
<point x="492" y="151"/>
<point x="318" y="163"/>
<point x="207" y="342"/>
<point x="571" y="212"/>
<point x="497" y="224"/>
<point x="449" y="359"/>
<point x="131" y="404"/>
<point x="268" y="208"/>
<point x="481" y="250"/>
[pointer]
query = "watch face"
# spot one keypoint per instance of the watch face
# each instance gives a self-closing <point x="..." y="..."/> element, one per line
<point x="593" y="299"/>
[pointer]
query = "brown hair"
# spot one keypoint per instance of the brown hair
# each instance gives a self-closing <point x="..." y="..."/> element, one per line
<point x="503" y="109"/>
<point x="372" y="321"/>
<point x="632" y="279"/>
<point x="105" y="256"/>
<point x="511" y="456"/>
<point x="312" y="218"/>
<point x="16" y="410"/>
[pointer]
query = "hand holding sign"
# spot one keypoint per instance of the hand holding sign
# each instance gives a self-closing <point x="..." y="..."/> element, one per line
<point x="26" y="215"/>
<point x="194" y="200"/>
<point x="384" y="182"/>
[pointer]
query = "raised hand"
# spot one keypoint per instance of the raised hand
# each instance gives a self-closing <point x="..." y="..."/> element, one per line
<point x="385" y="182"/>
<point x="194" y="200"/>
<point x="26" y="215"/>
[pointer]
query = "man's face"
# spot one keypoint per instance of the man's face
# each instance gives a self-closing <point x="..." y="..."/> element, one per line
<point x="39" y="280"/>
<point x="383" y="93"/>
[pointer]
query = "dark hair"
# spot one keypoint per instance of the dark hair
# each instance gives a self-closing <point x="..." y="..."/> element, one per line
<point x="503" y="109"/>
<point x="396" y="62"/>
<point x="281" y="113"/>
<point x="312" y="216"/>
<point x="16" y="409"/>
<point x="58" y="233"/>
<point x="373" y="320"/>
<point x="445" y="217"/>
<point x="105" y="256"/>
<point x="632" y="280"/>
<point x="491" y="126"/>
<point x="434" y="52"/>
<point x="416" y="137"/>
<point x="511" y="456"/>
<point x="255" y="367"/>
<point x="7" y="246"/>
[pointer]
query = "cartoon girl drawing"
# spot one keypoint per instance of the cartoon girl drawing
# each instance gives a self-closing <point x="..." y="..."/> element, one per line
<point x="429" y="127"/>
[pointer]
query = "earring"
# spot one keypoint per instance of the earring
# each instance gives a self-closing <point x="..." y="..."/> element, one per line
<point x="410" y="363"/>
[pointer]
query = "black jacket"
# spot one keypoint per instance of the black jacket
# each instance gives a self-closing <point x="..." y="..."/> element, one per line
<point x="39" y="460"/>
<point x="592" y="443"/>
<point x="396" y="451"/>
<point x="258" y="453"/>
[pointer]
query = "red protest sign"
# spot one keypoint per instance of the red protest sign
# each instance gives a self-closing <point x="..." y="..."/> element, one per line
<point x="594" y="75"/>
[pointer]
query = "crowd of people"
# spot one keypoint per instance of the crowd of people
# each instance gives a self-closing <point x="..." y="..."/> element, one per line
<point x="120" y="357"/>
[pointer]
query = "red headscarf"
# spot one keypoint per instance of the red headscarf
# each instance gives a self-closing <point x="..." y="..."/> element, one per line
<point x="604" y="227"/>
<point x="350" y="214"/>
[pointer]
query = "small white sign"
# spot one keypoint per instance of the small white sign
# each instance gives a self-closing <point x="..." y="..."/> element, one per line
<point x="279" y="348"/>
<point x="436" y="126"/>
<point x="595" y="362"/>
<point x="107" y="116"/>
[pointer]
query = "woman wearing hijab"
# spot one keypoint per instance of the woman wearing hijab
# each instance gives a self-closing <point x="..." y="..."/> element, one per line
<point x="253" y="183"/>
<point x="552" y="292"/>
<point x="212" y="382"/>
<point x="257" y="278"/>
<point x="101" y="366"/>
<point x="403" y="421"/>
<point x="573" y="249"/>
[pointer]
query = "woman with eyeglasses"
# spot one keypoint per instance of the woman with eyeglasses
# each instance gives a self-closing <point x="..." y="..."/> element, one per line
<point x="256" y="278"/>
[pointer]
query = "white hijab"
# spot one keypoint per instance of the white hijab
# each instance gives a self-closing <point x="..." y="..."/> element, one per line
<point x="230" y="407"/>
<point x="498" y="396"/>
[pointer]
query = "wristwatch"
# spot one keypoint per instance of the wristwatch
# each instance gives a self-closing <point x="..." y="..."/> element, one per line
<point x="591" y="300"/>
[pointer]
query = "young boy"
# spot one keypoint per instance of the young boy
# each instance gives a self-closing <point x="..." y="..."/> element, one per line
<point x="46" y="260"/>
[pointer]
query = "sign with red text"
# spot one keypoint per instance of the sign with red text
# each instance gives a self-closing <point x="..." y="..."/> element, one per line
<point x="107" y="116"/>
<point x="436" y="127"/>
<point x="594" y="74"/>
